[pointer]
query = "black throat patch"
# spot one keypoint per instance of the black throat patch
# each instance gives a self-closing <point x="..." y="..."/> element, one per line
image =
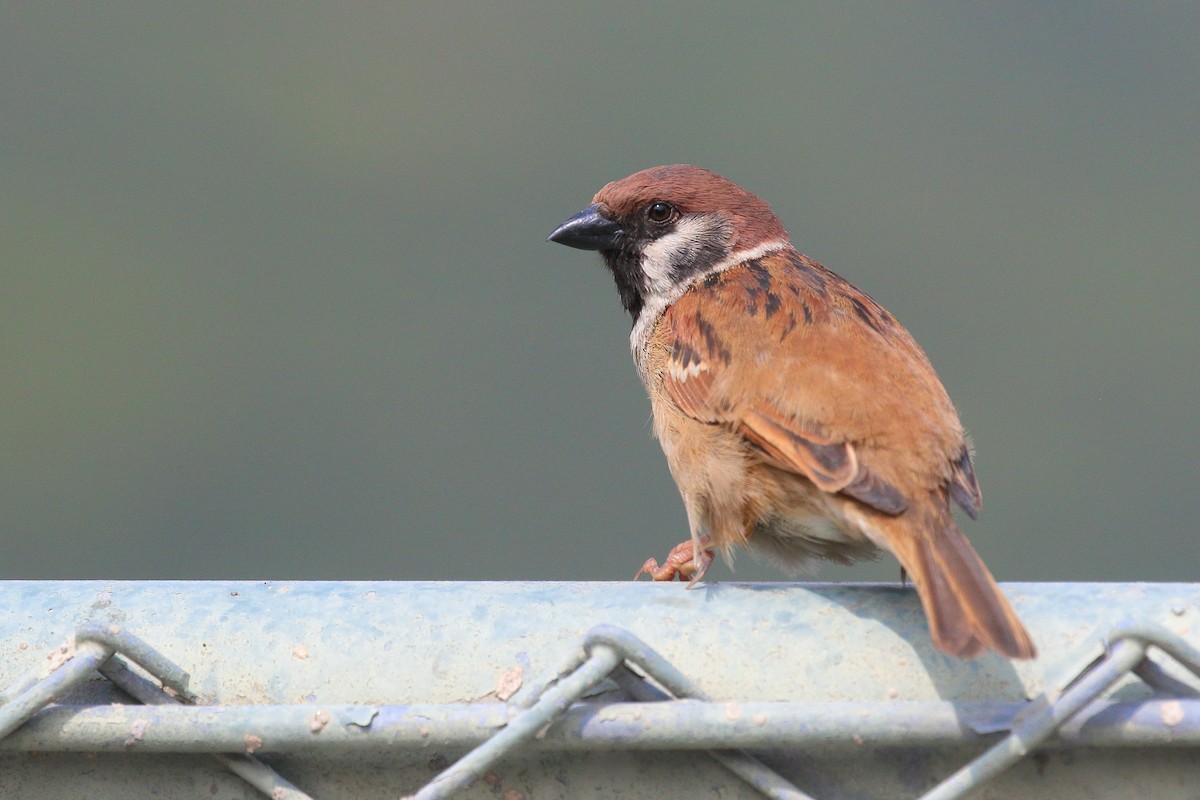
<point x="627" y="272"/>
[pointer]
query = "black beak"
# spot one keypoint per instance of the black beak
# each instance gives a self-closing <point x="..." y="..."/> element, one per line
<point x="588" y="230"/>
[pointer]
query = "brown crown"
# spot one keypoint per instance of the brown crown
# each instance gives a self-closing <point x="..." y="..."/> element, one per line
<point x="694" y="190"/>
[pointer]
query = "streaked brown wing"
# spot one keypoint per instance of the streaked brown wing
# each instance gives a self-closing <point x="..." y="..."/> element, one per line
<point x="763" y="348"/>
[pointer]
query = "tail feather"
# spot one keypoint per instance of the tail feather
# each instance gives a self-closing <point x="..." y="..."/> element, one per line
<point x="967" y="612"/>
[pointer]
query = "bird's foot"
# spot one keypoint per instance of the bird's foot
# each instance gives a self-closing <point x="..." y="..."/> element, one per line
<point x="683" y="560"/>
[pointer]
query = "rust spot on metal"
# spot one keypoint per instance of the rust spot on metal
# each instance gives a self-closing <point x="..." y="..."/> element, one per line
<point x="319" y="721"/>
<point x="252" y="741"/>
<point x="60" y="655"/>
<point x="510" y="681"/>
<point x="137" y="732"/>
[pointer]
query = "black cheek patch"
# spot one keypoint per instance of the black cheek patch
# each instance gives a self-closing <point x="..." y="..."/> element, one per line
<point x="699" y="256"/>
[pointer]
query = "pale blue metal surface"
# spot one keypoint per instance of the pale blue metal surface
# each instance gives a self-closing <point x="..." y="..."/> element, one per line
<point x="378" y="730"/>
<point x="450" y="642"/>
<point x="314" y="669"/>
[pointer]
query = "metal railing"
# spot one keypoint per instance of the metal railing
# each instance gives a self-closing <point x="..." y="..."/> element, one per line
<point x="610" y="691"/>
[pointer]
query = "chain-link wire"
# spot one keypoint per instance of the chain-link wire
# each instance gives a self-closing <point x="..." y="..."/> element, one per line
<point x="548" y="710"/>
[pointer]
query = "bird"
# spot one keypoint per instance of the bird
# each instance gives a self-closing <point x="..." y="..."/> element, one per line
<point x="798" y="417"/>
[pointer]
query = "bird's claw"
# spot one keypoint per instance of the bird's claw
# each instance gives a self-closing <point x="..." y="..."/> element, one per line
<point x="682" y="561"/>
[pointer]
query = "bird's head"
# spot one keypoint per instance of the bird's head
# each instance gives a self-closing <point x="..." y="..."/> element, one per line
<point x="662" y="229"/>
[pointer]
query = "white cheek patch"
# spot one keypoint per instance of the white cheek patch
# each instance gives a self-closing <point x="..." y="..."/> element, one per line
<point x="660" y="258"/>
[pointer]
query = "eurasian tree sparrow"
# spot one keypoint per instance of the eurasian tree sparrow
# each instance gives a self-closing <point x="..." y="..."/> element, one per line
<point x="798" y="416"/>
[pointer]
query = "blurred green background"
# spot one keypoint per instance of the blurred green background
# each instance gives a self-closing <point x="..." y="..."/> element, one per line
<point x="277" y="300"/>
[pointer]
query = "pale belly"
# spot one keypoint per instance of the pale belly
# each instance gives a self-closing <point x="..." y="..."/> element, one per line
<point x="794" y="541"/>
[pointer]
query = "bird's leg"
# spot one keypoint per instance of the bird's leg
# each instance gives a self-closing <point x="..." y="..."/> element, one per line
<point x="684" y="560"/>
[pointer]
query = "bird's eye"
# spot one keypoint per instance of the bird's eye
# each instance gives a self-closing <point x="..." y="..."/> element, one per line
<point x="660" y="212"/>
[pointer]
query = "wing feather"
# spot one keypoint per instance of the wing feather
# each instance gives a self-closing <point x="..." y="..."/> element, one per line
<point x="765" y="302"/>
